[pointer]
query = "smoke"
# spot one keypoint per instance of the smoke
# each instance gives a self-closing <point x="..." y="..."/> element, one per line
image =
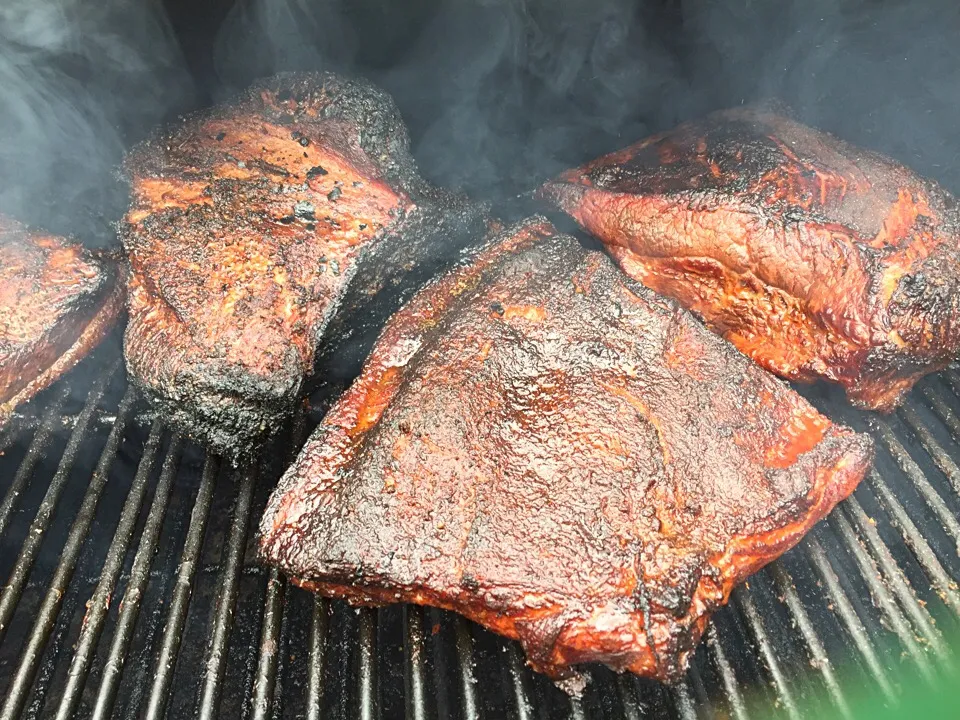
<point x="880" y="73"/>
<point x="260" y="38"/>
<point x="79" y="81"/>
<point x="485" y="86"/>
<point x="488" y="88"/>
<point x="498" y="94"/>
<point x="501" y="93"/>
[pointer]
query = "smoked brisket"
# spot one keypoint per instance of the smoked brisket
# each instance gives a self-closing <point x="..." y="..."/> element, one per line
<point x="818" y="259"/>
<point x="561" y="455"/>
<point x="57" y="302"/>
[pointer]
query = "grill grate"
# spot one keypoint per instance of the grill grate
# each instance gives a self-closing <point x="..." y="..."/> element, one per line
<point x="132" y="590"/>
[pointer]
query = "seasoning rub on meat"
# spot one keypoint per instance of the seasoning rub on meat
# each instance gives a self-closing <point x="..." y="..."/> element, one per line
<point x="57" y="302"/>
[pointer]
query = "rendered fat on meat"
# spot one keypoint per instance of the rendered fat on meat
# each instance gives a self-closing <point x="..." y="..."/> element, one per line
<point x="818" y="259"/>
<point x="561" y="455"/>
<point x="57" y="302"/>
<point x="263" y="233"/>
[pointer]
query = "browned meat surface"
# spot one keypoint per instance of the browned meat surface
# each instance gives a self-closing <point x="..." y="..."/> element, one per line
<point x="816" y="258"/>
<point x="259" y="228"/>
<point x="57" y="301"/>
<point x="561" y="455"/>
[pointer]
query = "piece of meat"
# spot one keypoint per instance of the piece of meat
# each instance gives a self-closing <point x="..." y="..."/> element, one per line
<point x="816" y="258"/>
<point x="563" y="456"/>
<point x="57" y="302"/>
<point x="263" y="229"/>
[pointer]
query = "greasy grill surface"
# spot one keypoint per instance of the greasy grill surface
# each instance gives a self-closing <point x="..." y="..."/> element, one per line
<point x="130" y="590"/>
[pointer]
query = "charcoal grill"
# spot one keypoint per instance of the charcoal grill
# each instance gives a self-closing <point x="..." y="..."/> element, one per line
<point x="132" y="589"/>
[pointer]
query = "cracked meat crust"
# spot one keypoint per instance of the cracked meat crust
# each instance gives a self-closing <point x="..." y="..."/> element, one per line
<point x="815" y="258"/>
<point x="57" y="302"/>
<point x="556" y="452"/>
<point x="261" y="228"/>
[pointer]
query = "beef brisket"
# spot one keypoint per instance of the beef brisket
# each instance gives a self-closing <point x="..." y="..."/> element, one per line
<point x="556" y="452"/>
<point x="57" y="302"/>
<point x="260" y="231"/>
<point x="816" y="258"/>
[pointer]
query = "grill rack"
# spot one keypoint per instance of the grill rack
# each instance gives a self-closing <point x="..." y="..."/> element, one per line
<point x="132" y="590"/>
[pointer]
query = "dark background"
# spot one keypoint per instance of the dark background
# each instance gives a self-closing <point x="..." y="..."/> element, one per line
<point x="498" y="94"/>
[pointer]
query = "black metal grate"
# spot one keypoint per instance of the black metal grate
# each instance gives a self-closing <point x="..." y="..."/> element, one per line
<point x="131" y="590"/>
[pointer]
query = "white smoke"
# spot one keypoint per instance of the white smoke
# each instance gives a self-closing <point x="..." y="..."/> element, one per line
<point x="79" y="79"/>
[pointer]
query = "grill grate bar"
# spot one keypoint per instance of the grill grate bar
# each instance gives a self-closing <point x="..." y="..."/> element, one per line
<point x="99" y="604"/>
<point x="920" y="481"/>
<point x="901" y="585"/>
<point x="894" y="615"/>
<point x="367" y="677"/>
<point x="752" y="617"/>
<point x="694" y="680"/>
<point x="216" y="660"/>
<point x="915" y="541"/>
<point x="849" y="616"/>
<point x="521" y="695"/>
<point x="319" y="627"/>
<point x="949" y="418"/>
<point x="273" y="609"/>
<point x="180" y="602"/>
<point x="818" y="654"/>
<point x="266" y="676"/>
<point x="628" y="701"/>
<point x="39" y="445"/>
<point x="465" y="657"/>
<point x="953" y="380"/>
<point x="319" y="630"/>
<point x="283" y="662"/>
<point x="683" y="700"/>
<point x="415" y="676"/>
<point x="30" y="657"/>
<point x="139" y="576"/>
<point x="576" y="709"/>
<point x="940" y="457"/>
<point x="731" y="688"/>
<point x="38" y="528"/>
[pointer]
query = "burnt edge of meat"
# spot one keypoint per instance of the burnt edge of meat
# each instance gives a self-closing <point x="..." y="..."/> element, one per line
<point x="301" y="547"/>
<point x="235" y="414"/>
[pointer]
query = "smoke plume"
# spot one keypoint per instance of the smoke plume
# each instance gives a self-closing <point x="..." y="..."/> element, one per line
<point x="501" y="93"/>
<point x="79" y="80"/>
<point x="498" y="94"/>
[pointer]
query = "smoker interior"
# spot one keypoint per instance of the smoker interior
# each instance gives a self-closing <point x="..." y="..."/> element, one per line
<point x="129" y="585"/>
<point x="132" y="588"/>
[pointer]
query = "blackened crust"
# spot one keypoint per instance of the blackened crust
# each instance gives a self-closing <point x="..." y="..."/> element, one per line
<point x="818" y="259"/>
